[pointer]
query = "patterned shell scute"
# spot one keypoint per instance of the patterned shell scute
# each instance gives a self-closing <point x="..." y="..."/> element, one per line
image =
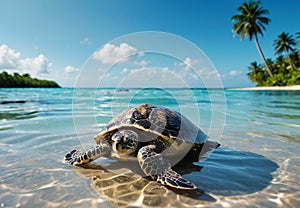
<point x="161" y="121"/>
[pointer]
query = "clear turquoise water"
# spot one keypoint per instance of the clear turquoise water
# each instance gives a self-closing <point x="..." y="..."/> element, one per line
<point x="256" y="166"/>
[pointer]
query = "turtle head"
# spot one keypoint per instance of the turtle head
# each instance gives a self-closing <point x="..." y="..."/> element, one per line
<point x="125" y="142"/>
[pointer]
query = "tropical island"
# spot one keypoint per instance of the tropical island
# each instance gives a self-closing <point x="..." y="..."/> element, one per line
<point x="24" y="81"/>
<point x="285" y="70"/>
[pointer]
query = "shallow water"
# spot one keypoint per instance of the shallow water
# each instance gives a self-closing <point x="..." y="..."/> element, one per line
<point x="258" y="164"/>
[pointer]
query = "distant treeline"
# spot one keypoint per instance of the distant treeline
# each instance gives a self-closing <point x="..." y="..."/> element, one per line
<point x="17" y="80"/>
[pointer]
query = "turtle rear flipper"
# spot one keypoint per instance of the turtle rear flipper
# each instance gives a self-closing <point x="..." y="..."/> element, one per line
<point x="77" y="158"/>
<point x="159" y="168"/>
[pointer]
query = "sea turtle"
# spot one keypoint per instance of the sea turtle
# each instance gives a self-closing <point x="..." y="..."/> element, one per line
<point x="152" y="134"/>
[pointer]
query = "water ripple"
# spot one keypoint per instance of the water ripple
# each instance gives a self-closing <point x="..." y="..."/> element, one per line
<point x="257" y="165"/>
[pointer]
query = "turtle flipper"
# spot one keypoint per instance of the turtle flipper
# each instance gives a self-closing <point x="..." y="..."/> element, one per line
<point x="171" y="178"/>
<point x="71" y="157"/>
<point x="76" y="157"/>
<point x="159" y="168"/>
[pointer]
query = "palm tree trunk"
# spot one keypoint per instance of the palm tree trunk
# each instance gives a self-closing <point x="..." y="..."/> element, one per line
<point x="290" y="60"/>
<point x="262" y="55"/>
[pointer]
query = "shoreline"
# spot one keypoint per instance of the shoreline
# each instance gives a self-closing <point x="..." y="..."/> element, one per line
<point x="294" y="87"/>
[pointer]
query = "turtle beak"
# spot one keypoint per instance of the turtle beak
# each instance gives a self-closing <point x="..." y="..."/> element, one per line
<point x="116" y="145"/>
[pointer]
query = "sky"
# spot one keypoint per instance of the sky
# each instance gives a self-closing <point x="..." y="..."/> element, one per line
<point x="135" y="43"/>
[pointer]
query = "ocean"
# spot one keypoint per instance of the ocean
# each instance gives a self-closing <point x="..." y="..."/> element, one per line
<point x="257" y="164"/>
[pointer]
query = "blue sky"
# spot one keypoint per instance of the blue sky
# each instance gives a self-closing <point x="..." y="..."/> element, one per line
<point x="54" y="39"/>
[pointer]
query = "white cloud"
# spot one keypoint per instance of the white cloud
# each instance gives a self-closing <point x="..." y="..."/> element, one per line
<point x="189" y="63"/>
<point x="70" y="69"/>
<point x="9" y="58"/>
<point x="85" y="41"/>
<point x="141" y="53"/>
<point x="37" y="65"/>
<point x="125" y="70"/>
<point x="150" y="77"/>
<point x="235" y="73"/>
<point x="165" y="69"/>
<point x="111" y="53"/>
<point x="141" y="63"/>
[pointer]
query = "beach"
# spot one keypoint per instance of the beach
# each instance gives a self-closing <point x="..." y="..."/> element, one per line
<point x="294" y="87"/>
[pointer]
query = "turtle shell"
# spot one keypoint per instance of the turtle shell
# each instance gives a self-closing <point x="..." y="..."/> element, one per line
<point x="149" y="119"/>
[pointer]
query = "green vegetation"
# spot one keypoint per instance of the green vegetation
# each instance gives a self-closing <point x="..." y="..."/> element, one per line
<point x="285" y="70"/>
<point x="17" y="80"/>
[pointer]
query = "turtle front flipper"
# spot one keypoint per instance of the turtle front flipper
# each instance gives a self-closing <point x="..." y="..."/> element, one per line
<point x="159" y="168"/>
<point x="171" y="178"/>
<point x="77" y="158"/>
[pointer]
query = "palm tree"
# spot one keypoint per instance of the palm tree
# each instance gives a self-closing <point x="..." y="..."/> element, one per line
<point x="285" y="42"/>
<point x="298" y="37"/>
<point x="256" y="73"/>
<point x="295" y="56"/>
<point x="281" y="64"/>
<point x="251" y="22"/>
